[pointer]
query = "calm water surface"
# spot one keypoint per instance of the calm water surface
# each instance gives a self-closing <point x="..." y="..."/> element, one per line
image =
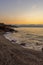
<point x="32" y="37"/>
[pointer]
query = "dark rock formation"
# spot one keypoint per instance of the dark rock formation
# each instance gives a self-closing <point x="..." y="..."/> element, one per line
<point x="13" y="41"/>
<point x="6" y="28"/>
<point x="23" y="44"/>
<point x="37" y="43"/>
<point x="42" y="49"/>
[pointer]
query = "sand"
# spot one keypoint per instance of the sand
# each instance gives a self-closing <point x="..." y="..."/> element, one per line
<point x="14" y="54"/>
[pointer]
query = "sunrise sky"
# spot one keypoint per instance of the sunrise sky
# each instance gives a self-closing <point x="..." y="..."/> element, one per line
<point x="21" y="11"/>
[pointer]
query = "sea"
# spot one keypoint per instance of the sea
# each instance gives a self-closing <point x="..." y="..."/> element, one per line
<point x="27" y="37"/>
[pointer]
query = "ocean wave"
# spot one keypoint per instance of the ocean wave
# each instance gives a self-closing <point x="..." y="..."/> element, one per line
<point x="31" y="38"/>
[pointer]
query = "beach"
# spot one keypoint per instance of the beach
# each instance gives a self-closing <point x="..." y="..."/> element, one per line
<point x="15" y="54"/>
<point x="21" y="32"/>
<point x="31" y="38"/>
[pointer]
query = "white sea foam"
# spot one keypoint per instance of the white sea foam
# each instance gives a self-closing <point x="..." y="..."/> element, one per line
<point x="32" y="37"/>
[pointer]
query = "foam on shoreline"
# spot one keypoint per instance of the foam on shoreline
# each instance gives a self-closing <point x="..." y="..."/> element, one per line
<point x="17" y="40"/>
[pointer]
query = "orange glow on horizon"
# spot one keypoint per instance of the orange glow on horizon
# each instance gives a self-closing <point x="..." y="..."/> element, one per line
<point x="22" y="20"/>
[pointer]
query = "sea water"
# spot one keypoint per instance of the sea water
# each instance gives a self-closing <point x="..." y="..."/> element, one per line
<point x="31" y="37"/>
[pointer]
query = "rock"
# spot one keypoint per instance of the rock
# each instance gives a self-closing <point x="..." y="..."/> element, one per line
<point x="42" y="49"/>
<point x="6" y="28"/>
<point x="13" y="41"/>
<point x="37" y="43"/>
<point x="23" y="44"/>
<point x="15" y="31"/>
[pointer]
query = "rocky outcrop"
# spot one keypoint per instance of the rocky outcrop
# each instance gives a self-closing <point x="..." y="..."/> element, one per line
<point x="6" y="28"/>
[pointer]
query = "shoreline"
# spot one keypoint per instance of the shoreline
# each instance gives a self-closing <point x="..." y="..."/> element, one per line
<point x="35" y="46"/>
<point x="17" y="55"/>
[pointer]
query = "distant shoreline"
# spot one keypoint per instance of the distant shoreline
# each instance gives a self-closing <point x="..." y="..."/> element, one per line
<point x="28" y="27"/>
<point x="34" y="26"/>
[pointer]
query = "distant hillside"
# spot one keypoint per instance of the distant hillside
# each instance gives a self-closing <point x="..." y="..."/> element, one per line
<point x="30" y="25"/>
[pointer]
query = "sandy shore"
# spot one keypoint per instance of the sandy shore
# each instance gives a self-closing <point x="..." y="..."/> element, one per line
<point x="14" y="54"/>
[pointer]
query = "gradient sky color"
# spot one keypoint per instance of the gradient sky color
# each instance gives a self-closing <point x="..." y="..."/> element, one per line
<point x="21" y="11"/>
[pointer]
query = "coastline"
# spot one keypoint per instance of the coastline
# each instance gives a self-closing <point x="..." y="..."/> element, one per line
<point x="14" y="54"/>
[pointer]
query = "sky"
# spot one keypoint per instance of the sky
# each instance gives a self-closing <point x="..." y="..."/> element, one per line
<point x="21" y="11"/>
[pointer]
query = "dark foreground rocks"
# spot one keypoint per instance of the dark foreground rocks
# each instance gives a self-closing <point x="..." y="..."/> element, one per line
<point x="14" y="54"/>
<point x="23" y="44"/>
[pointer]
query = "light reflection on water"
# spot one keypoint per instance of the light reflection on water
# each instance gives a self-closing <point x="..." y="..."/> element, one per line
<point x="32" y="37"/>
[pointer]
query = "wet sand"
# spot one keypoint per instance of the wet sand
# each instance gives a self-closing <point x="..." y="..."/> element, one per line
<point x="14" y="54"/>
